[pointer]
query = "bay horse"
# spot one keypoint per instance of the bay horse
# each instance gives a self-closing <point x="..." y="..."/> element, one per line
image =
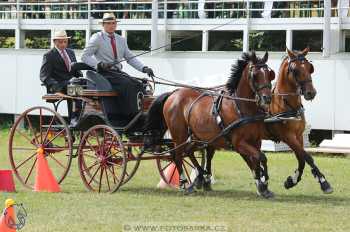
<point x="287" y="121"/>
<point x="187" y="113"/>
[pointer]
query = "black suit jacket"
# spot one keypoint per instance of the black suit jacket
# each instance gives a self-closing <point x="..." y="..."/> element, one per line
<point x="53" y="71"/>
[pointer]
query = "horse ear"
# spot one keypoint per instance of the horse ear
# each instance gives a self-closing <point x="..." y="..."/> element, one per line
<point x="272" y="75"/>
<point x="305" y="51"/>
<point x="266" y="57"/>
<point x="253" y="57"/>
<point x="290" y="53"/>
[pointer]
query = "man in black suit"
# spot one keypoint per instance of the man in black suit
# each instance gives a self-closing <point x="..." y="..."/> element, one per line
<point x="55" y="71"/>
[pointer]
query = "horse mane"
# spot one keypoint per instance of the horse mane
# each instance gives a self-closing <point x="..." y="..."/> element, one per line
<point x="238" y="67"/>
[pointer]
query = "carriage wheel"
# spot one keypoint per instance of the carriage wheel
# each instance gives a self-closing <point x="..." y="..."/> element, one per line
<point x="133" y="153"/>
<point x="102" y="159"/>
<point x="170" y="175"/>
<point x="40" y="127"/>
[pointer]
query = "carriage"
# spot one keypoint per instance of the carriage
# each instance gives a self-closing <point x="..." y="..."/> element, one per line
<point x="108" y="149"/>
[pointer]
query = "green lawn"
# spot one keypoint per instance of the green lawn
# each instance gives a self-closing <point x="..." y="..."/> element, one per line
<point x="233" y="201"/>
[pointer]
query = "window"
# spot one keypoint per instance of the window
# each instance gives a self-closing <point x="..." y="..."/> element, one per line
<point x="312" y="39"/>
<point x="225" y="41"/>
<point x="7" y="38"/>
<point x="77" y="40"/>
<point x="187" y="41"/>
<point x="139" y="40"/>
<point x="267" y="40"/>
<point x="37" y="39"/>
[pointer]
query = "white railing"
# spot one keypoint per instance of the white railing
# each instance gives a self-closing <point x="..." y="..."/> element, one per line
<point x="170" y="9"/>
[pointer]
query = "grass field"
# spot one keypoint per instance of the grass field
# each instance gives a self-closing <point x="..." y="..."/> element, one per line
<point x="232" y="203"/>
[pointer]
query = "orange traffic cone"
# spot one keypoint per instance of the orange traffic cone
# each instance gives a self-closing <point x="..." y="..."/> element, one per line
<point x="6" y="181"/>
<point x="7" y="219"/>
<point x="44" y="179"/>
<point x="170" y="172"/>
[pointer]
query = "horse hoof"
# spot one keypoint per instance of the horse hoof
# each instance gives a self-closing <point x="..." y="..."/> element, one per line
<point x="289" y="183"/>
<point x="326" y="188"/>
<point x="267" y="194"/>
<point x="198" y="183"/>
<point x="190" y="190"/>
<point x="207" y="187"/>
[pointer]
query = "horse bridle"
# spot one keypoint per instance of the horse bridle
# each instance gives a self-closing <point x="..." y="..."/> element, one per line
<point x="300" y="83"/>
<point x="256" y="88"/>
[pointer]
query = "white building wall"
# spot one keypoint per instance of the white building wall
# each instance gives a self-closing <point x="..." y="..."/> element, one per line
<point x="20" y="85"/>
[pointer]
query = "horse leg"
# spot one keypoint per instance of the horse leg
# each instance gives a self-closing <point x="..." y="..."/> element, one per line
<point x="198" y="181"/>
<point x="256" y="157"/>
<point x="299" y="152"/>
<point x="321" y="179"/>
<point x="207" y="177"/>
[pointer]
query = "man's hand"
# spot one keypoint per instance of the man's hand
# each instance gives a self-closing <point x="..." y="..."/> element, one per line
<point x="102" y="66"/>
<point x="149" y="71"/>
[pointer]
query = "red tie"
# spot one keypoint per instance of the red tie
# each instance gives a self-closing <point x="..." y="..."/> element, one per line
<point x="113" y="45"/>
<point x="66" y="60"/>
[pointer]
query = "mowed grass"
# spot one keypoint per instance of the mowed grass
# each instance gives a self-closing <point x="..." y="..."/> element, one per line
<point x="232" y="203"/>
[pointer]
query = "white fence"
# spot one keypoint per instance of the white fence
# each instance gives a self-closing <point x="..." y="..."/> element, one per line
<point x="20" y="86"/>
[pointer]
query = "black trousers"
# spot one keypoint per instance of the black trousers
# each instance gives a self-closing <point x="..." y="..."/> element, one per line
<point x="125" y="105"/>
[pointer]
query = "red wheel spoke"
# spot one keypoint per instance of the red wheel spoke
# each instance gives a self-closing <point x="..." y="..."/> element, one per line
<point x="23" y="149"/>
<point x="98" y="141"/>
<point x="92" y="157"/>
<point x="188" y="176"/>
<point x="30" y="172"/>
<point x="90" y="145"/>
<point x="58" y="134"/>
<point x="41" y="125"/>
<point x="113" y="173"/>
<point x="110" y="145"/>
<point x="189" y="163"/>
<point x="55" y="149"/>
<point x="25" y="161"/>
<point x="86" y="169"/>
<point x="93" y="176"/>
<point x="48" y="129"/>
<point x="166" y="166"/>
<point x="26" y="137"/>
<point x="31" y="128"/>
<point x="172" y="175"/>
<point x="109" y="187"/>
<point x="100" y="184"/>
<point x="113" y="164"/>
<point x="58" y="162"/>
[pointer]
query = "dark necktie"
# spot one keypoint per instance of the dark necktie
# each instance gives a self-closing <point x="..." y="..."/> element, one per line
<point x="113" y="45"/>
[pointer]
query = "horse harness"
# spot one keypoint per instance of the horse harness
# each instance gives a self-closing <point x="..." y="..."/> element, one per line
<point x="225" y="130"/>
<point x="292" y="113"/>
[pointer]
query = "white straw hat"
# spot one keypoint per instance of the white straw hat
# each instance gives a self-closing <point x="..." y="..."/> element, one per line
<point x="61" y="34"/>
<point x="109" y="17"/>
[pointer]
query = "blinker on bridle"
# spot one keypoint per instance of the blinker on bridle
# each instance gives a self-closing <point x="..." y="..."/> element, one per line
<point x="257" y="88"/>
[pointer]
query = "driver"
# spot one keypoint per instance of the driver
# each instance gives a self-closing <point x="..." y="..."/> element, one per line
<point x="106" y="47"/>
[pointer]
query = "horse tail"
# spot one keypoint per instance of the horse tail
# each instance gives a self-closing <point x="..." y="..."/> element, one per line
<point x="155" y="121"/>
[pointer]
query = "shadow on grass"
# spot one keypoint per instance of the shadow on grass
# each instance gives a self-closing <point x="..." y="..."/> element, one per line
<point x="235" y="194"/>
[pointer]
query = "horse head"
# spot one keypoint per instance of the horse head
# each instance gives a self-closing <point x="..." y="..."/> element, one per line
<point x="298" y="72"/>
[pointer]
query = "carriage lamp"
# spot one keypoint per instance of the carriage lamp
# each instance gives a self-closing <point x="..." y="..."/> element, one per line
<point x="76" y="86"/>
<point x="74" y="90"/>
